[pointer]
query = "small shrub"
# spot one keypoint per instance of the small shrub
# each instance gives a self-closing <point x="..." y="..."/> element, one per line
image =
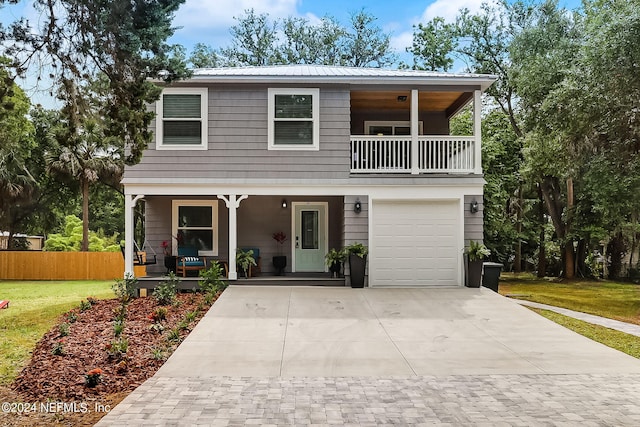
<point x="93" y="377"/>
<point x="160" y="314"/>
<point x="92" y="300"/>
<point x="58" y="348"/>
<point x="63" y="329"/>
<point x="72" y="317"/>
<point x="211" y="279"/>
<point x="174" y="335"/>
<point x="165" y="292"/>
<point x="125" y="289"/>
<point x="183" y="325"/>
<point x="117" y="349"/>
<point x="84" y="305"/>
<point x="120" y="313"/>
<point x="157" y="327"/>
<point x="190" y="316"/>
<point x="118" y="328"/>
<point x="158" y="354"/>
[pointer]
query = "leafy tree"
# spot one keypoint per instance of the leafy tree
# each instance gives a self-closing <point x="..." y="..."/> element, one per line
<point x="84" y="153"/>
<point x="257" y="40"/>
<point x="79" y="39"/>
<point x="16" y="141"/>
<point x="433" y="45"/>
<point x="70" y="239"/>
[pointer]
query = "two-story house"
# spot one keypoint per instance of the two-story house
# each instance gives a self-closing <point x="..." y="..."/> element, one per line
<point x="329" y="156"/>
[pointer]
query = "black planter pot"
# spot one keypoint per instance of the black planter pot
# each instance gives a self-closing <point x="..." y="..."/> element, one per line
<point x="280" y="262"/>
<point x="335" y="269"/>
<point x="170" y="263"/>
<point x="357" y="267"/>
<point x="473" y="273"/>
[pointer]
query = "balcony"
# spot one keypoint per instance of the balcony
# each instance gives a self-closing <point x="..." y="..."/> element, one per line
<point x="432" y="154"/>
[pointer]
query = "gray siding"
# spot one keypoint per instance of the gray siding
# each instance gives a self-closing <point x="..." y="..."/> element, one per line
<point x="356" y="227"/>
<point x="473" y="222"/>
<point x="237" y="142"/>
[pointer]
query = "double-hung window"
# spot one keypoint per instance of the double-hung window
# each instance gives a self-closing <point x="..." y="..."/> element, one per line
<point x="181" y="121"/>
<point x="294" y="122"/>
<point x="195" y="225"/>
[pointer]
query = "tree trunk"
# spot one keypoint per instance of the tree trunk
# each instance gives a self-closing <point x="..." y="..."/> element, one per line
<point x="85" y="215"/>
<point x="570" y="258"/>
<point x="517" y="263"/>
<point x="542" y="253"/>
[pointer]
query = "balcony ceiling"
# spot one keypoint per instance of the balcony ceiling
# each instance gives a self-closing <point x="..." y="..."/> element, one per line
<point x="427" y="101"/>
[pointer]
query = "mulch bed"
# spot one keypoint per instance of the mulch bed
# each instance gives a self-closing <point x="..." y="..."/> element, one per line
<point x="61" y="378"/>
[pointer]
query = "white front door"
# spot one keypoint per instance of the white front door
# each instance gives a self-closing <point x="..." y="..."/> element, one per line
<point x="310" y="236"/>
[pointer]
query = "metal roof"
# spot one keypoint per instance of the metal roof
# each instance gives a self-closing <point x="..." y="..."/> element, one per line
<point x="337" y="74"/>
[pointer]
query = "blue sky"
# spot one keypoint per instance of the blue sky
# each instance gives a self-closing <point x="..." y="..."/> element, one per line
<point x="209" y="22"/>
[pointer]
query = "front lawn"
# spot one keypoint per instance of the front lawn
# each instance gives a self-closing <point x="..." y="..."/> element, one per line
<point x="34" y="308"/>
<point x="614" y="300"/>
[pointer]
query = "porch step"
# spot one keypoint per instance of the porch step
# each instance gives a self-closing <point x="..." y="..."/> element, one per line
<point x="191" y="283"/>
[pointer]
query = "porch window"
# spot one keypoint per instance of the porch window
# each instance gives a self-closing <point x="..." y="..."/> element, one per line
<point x="195" y="225"/>
<point x="294" y="119"/>
<point x="181" y="122"/>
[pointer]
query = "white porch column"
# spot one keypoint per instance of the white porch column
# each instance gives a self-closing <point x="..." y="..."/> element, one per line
<point x="233" y="203"/>
<point x="415" y="169"/>
<point x="129" y="205"/>
<point x="477" y="131"/>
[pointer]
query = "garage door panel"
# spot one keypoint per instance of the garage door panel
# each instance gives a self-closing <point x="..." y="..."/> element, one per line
<point x="416" y="243"/>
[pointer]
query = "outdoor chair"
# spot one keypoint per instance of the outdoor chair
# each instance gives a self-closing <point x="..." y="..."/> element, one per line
<point x="189" y="260"/>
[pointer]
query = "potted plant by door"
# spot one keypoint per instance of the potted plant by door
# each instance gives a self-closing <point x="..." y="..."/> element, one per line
<point x="357" y="253"/>
<point x="334" y="260"/>
<point x="244" y="260"/>
<point x="280" y="260"/>
<point x="475" y="256"/>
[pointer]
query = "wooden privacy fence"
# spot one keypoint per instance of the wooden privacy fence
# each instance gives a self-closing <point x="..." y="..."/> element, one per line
<point x="33" y="265"/>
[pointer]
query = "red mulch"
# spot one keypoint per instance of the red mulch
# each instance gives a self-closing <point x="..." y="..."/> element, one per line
<point x="49" y="377"/>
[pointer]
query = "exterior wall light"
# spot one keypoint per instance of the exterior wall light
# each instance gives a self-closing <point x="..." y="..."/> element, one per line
<point x="473" y="207"/>
<point x="357" y="207"/>
<point x="284" y="203"/>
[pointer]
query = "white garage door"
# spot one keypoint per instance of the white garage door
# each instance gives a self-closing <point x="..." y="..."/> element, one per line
<point x="415" y="243"/>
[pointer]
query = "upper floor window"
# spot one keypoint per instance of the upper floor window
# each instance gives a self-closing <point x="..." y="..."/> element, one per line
<point x="294" y="119"/>
<point x="181" y="121"/>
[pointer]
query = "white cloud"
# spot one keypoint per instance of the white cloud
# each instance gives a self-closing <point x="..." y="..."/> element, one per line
<point x="448" y="9"/>
<point x="205" y="14"/>
<point x="402" y="41"/>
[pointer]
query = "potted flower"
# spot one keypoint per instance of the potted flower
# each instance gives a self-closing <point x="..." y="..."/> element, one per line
<point x="280" y="260"/>
<point x="357" y="253"/>
<point x="244" y="260"/>
<point x="334" y="260"/>
<point x="474" y="257"/>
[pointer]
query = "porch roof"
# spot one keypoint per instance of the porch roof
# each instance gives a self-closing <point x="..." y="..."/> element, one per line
<point x="340" y="75"/>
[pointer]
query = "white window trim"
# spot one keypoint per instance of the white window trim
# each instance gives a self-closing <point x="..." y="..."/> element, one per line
<point x="204" y="115"/>
<point x="315" y="111"/>
<point x="394" y="124"/>
<point x="175" y="204"/>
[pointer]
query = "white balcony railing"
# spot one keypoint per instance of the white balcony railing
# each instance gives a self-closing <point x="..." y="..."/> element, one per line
<point x="393" y="154"/>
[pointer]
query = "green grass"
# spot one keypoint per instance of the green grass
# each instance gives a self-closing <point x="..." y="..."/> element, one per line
<point x="35" y="306"/>
<point x="625" y="343"/>
<point x="620" y="301"/>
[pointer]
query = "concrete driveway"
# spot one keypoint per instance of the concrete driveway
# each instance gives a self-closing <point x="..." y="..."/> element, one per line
<point x="325" y="332"/>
